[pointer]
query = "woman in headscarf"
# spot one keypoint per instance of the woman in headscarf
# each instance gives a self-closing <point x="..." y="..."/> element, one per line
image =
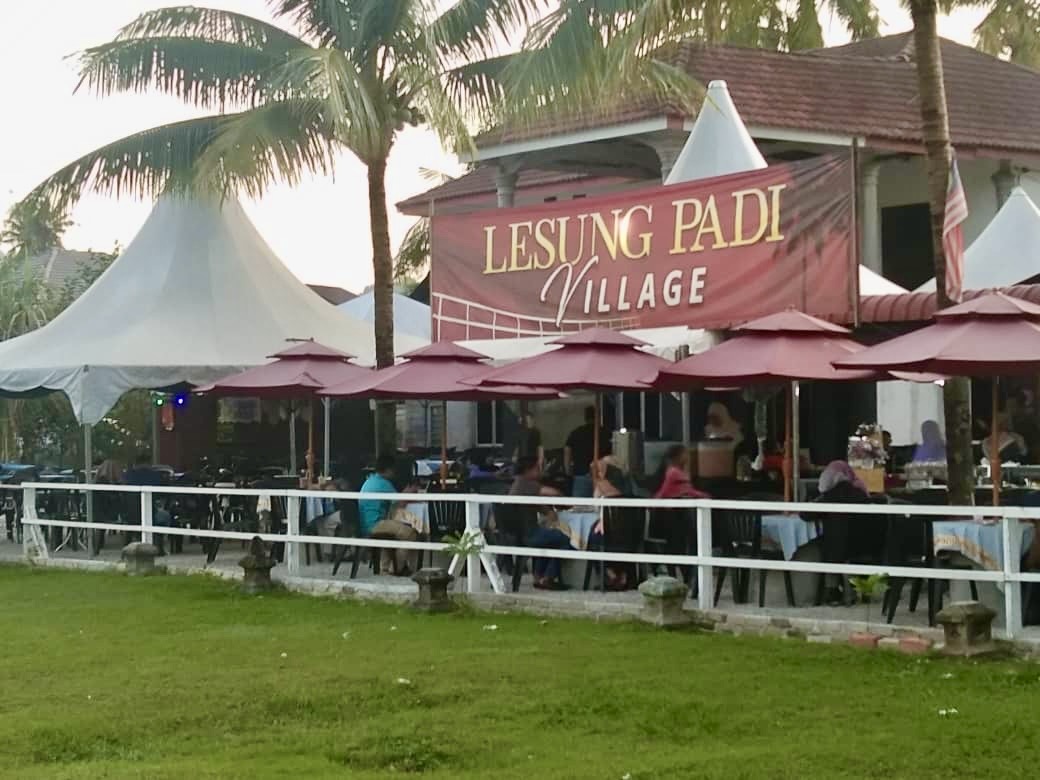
<point x="721" y="425"/>
<point x="844" y="535"/>
<point x="932" y="447"/>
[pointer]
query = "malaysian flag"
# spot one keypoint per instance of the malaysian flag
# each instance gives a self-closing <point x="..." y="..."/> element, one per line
<point x="953" y="234"/>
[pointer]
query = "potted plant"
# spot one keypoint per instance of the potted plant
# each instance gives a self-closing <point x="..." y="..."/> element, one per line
<point x="868" y="588"/>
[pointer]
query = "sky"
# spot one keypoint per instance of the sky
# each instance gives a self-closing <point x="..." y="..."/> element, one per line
<point x="319" y="228"/>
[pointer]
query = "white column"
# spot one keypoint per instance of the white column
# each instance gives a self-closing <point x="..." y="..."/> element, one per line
<point x="473" y="561"/>
<point x="146" y="518"/>
<point x="505" y="185"/>
<point x="1011" y="541"/>
<point x="705" y="580"/>
<point x="1004" y="180"/>
<point x="870" y="249"/>
<point x="293" y="550"/>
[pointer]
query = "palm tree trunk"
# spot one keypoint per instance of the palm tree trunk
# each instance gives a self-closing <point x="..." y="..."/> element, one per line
<point x="382" y="295"/>
<point x="938" y="153"/>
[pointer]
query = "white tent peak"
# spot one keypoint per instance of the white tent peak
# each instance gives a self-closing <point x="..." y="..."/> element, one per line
<point x="719" y="143"/>
<point x="1007" y="251"/>
<point x="873" y="283"/>
<point x="195" y="296"/>
<point x="411" y="317"/>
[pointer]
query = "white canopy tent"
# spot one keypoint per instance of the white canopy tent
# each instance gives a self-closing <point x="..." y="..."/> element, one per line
<point x="871" y="283"/>
<point x="719" y="143"/>
<point x="1007" y="252"/>
<point x="197" y="295"/>
<point x="410" y="316"/>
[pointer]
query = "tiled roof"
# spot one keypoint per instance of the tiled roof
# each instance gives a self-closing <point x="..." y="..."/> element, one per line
<point x="482" y="180"/>
<point x="865" y="89"/>
<point x="57" y="265"/>
<point x="334" y="295"/>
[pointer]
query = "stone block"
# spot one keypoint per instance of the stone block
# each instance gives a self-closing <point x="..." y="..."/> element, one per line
<point x="888" y="643"/>
<point x="861" y="639"/>
<point x="140" y="558"/>
<point x="914" y="645"/>
<point x="433" y="590"/>
<point x="967" y="628"/>
<point x="663" y="599"/>
<point x="256" y="568"/>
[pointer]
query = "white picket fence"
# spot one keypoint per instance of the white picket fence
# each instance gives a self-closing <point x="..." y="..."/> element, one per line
<point x="1009" y="577"/>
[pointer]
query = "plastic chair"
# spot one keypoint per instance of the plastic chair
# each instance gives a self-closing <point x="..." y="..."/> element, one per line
<point x="741" y="537"/>
<point x="517" y="521"/>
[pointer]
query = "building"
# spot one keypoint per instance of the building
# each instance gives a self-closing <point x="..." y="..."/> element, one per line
<point x="794" y="105"/>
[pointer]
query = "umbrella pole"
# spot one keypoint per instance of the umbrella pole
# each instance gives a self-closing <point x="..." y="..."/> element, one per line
<point x="796" y="443"/>
<point x="327" y="459"/>
<point x="310" y="444"/>
<point x="292" y="440"/>
<point x="787" y="443"/>
<point x="995" y="466"/>
<point x="594" y="470"/>
<point x="444" y="445"/>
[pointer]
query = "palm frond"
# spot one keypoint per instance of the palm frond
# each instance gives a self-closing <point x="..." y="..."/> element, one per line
<point x="1011" y="29"/>
<point x="357" y="111"/>
<point x="328" y="22"/>
<point x="477" y="87"/>
<point x="414" y="252"/>
<point x="475" y="28"/>
<point x="860" y="17"/>
<point x="803" y="29"/>
<point x="205" y="73"/>
<point x="142" y="164"/>
<point x="279" y="141"/>
<point x="211" y="24"/>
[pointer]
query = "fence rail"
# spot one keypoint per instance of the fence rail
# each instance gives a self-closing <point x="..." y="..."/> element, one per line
<point x="1009" y="576"/>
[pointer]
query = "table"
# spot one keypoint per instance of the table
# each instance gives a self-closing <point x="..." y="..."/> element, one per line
<point x="417" y="516"/>
<point x="429" y="467"/>
<point x="787" y="533"/>
<point x="977" y="541"/>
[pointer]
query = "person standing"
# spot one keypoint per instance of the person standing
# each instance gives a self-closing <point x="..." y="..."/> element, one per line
<point x="578" y="452"/>
<point x="529" y="441"/>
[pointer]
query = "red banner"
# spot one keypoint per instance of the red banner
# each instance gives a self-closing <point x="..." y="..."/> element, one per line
<point x="710" y="253"/>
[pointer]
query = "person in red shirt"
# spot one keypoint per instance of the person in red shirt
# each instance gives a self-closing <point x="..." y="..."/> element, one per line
<point x="674" y="475"/>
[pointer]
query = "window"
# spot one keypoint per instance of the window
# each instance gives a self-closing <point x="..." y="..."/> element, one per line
<point x="906" y="245"/>
<point x="491" y="417"/>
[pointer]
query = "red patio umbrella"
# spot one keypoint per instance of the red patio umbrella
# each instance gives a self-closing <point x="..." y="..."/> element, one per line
<point x="782" y="348"/>
<point x="597" y="360"/>
<point x="993" y="335"/>
<point x="436" y="373"/>
<point x="296" y="372"/>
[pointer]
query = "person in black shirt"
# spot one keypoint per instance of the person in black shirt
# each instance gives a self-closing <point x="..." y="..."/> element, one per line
<point x="529" y="441"/>
<point x="578" y="455"/>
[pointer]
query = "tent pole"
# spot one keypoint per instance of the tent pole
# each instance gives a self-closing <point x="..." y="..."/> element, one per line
<point x="155" y="433"/>
<point x="444" y="445"/>
<point x="796" y="462"/>
<point x="327" y="461"/>
<point x="995" y="466"/>
<point x="88" y="462"/>
<point x="595" y="438"/>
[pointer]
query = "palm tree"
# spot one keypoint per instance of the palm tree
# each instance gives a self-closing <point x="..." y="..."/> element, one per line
<point x="32" y="227"/>
<point x="935" y="129"/>
<point x="1011" y="28"/>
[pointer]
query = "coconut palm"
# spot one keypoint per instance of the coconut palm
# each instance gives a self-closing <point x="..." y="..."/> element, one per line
<point x="353" y="74"/>
<point x="32" y="227"/>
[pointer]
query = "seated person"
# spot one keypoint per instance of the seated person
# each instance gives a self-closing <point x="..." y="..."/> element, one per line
<point x="618" y="529"/>
<point x="932" y="448"/>
<point x="548" y="534"/>
<point x="1011" y="446"/>
<point x="673" y="475"/>
<point x="377" y="518"/>
<point x="842" y="534"/>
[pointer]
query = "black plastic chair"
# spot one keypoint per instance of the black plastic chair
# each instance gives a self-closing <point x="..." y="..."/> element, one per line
<point x="516" y="522"/>
<point x="671" y="532"/>
<point x="740" y="536"/>
<point x="910" y="542"/>
<point x="349" y="526"/>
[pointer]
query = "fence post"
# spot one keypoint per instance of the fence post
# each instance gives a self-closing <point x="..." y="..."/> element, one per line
<point x="146" y="517"/>
<point x="293" y="550"/>
<point x="1011" y="540"/>
<point x="473" y="561"/>
<point x="34" y="540"/>
<point x="705" y="580"/>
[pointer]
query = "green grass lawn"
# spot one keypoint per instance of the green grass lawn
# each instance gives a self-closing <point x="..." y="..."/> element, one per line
<point x="174" y="677"/>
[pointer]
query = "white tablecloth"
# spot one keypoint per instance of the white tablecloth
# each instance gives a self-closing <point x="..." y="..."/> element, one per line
<point x="577" y="523"/>
<point x="417" y="515"/>
<point x="428" y="467"/>
<point x="787" y="533"/>
<point x="980" y="542"/>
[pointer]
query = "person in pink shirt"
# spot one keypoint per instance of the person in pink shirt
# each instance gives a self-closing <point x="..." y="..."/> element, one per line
<point x="674" y="475"/>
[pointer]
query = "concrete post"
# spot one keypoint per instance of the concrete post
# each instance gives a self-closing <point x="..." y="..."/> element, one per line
<point x="870" y="252"/>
